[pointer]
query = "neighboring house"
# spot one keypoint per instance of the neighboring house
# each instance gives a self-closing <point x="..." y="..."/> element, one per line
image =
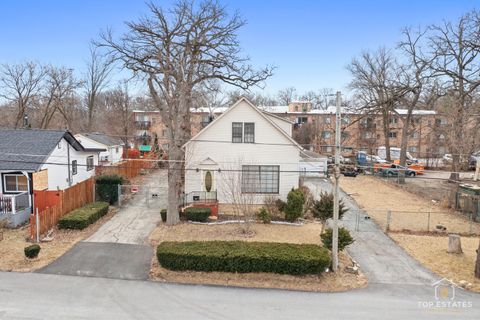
<point x="244" y="150"/>
<point x="113" y="146"/>
<point x="33" y="159"/>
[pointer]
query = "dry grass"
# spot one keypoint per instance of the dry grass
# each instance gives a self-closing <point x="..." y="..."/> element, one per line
<point x="409" y="211"/>
<point x="308" y="233"/>
<point x="15" y="240"/>
<point x="431" y="251"/>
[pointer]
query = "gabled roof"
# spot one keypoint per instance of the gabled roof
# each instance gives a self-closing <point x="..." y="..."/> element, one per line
<point x="260" y="112"/>
<point x="27" y="149"/>
<point x="102" y="138"/>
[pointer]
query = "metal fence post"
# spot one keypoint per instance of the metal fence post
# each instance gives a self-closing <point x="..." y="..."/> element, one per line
<point x="428" y="222"/>
<point x="119" y="194"/>
<point x="37" y="224"/>
<point x="389" y="218"/>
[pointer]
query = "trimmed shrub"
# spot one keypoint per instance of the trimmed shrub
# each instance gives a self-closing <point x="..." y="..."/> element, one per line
<point x="107" y="187"/>
<point x="264" y="216"/>
<point x="82" y="217"/>
<point x="243" y="257"/>
<point x="294" y="207"/>
<point x="344" y="238"/>
<point x="198" y="214"/>
<point x="163" y="213"/>
<point x="32" y="251"/>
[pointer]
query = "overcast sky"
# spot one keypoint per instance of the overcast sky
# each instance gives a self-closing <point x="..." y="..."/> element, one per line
<point x="310" y="42"/>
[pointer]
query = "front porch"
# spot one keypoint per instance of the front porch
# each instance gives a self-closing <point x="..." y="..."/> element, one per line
<point x="15" y="208"/>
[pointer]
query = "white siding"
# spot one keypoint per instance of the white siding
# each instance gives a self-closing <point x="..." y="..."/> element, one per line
<point x="113" y="155"/>
<point x="57" y="166"/>
<point x="284" y="125"/>
<point x="271" y="147"/>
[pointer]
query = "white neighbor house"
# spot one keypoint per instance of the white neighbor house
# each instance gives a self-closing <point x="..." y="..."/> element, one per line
<point x="32" y="159"/>
<point x="246" y="142"/>
<point x="113" y="146"/>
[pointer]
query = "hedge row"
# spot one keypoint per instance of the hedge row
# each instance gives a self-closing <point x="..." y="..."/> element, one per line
<point x="243" y="257"/>
<point x="82" y="217"/>
<point x="106" y="187"/>
<point x="198" y="214"/>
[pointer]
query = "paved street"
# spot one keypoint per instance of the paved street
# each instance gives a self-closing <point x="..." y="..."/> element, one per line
<point x="40" y="296"/>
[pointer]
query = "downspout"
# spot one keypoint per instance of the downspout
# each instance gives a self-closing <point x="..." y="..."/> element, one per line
<point x="68" y="166"/>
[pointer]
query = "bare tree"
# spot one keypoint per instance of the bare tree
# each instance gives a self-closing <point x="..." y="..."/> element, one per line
<point x="376" y="84"/>
<point x="20" y="83"/>
<point x="60" y="84"/>
<point x="99" y="67"/>
<point x="177" y="51"/>
<point x="287" y="95"/>
<point x="456" y="47"/>
<point x="119" y="105"/>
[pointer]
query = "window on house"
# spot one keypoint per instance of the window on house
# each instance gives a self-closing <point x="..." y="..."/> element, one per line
<point x="326" y="134"/>
<point x="392" y="134"/>
<point x="15" y="183"/>
<point x="393" y="120"/>
<point x="345" y="135"/>
<point x="74" y="167"/>
<point x="237" y="134"/>
<point x="302" y="120"/>
<point x="412" y="149"/>
<point x="345" y="120"/>
<point x="116" y="149"/>
<point x="249" y="132"/>
<point x="415" y="135"/>
<point x="260" y="179"/>
<point x="328" y="120"/>
<point x="89" y="163"/>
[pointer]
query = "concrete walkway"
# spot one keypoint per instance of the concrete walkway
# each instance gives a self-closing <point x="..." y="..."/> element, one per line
<point x="119" y="248"/>
<point x="136" y="218"/>
<point x="380" y="258"/>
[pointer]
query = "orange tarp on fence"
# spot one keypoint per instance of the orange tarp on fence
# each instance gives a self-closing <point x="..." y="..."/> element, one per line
<point x="52" y="205"/>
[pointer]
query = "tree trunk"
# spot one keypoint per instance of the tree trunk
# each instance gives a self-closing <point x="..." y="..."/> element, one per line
<point x="454" y="244"/>
<point x="386" y="133"/>
<point x="477" y="264"/>
<point x="403" y="146"/>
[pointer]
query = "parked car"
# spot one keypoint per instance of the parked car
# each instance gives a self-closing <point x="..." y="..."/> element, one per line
<point x="447" y="158"/>
<point x="394" y="169"/>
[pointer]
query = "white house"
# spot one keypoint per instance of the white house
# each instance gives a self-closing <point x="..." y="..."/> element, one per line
<point x="244" y="148"/>
<point x="113" y="146"/>
<point x="39" y="160"/>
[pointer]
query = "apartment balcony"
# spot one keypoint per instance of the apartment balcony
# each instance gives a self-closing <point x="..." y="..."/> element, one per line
<point x="145" y="125"/>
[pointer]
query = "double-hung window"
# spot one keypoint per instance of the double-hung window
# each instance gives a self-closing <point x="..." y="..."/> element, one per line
<point x="74" y="167"/>
<point x="260" y="179"/>
<point x="249" y="132"/>
<point x="90" y="163"/>
<point x="237" y="132"/>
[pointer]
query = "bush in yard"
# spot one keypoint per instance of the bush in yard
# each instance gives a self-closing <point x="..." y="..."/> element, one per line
<point x="107" y="187"/>
<point x="323" y="209"/>
<point x="243" y="257"/>
<point x="294" y="207"/>
<point x="82" y="217"/>
<point x="344" y="238"/>
<point x="264" y="216"/>
<point x="280" y="204"/>
<point x="198" y="214"/>
<point x="32" y="251"/>
<point x="163" y="213"/>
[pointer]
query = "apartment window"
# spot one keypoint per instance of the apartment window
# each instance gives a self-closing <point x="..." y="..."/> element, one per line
<point x="74" y="167"/>
<point x="393" y="120"/>
<point x="237" y="132"/>
<point x="15" y="183"/>
<point x="345" y="120"/>
<point x="90" y="163"/>
<point x="345" y="135"/>
<point x="367" y="135"/>
<point x="415" y="135"/>
<point x="326" y="134"/>
<point x="249" y="132"/>
<point x="412" y="149"/>
<point x="260" y="179"/>
<point x="302" y="120"/>
<point x="392" y="134"/>
<point x="440" y="121"/>
<point x="328" y="120"/>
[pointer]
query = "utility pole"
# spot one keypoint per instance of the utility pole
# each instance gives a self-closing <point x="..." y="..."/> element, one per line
<point x="336" y="198"/>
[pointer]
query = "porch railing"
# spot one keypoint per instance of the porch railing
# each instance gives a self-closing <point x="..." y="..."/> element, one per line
<point x="200" y="197"/>
<point x="12" y="204"/>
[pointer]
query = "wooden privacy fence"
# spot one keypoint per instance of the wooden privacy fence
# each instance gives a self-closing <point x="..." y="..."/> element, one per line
<point x="127" y="169"/>
<point x="52" y="205"/>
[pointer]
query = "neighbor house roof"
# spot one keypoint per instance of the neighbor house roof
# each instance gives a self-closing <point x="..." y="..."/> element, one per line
<point x="27" y="149"/>
<point x="103" y="139"/>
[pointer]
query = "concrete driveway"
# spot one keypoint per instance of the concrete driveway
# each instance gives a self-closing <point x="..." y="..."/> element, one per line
<point x="380" y="258"/>
<point x="119" y="248"/>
